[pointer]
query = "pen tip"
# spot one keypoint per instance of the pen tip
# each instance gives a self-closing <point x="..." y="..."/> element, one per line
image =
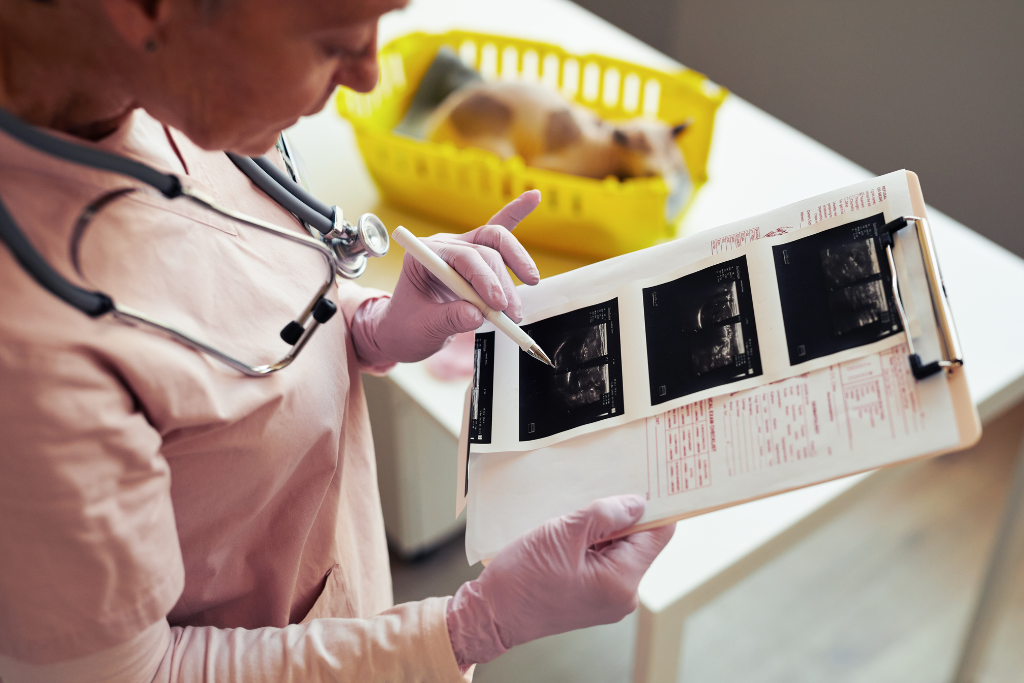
<point x="539" y="354"/>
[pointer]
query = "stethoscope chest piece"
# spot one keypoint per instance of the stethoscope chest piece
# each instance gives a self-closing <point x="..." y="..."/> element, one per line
<point x="354" y="244"/>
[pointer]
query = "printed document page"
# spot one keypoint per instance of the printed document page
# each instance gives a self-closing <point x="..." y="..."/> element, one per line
<point x="709" y="315"/>
<point x="846" y="417"/>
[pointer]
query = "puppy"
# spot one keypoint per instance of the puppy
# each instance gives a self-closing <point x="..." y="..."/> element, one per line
<point x="547" y="132"/>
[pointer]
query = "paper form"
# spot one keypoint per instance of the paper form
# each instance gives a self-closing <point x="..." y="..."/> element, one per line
<point x="704" y="316"/>
<point x="738" y="239"/>
<point x="834" y="413"/>
<point x="702" y="330"/>
<point x="830" y="208"/>
<point x="834" y="421"/>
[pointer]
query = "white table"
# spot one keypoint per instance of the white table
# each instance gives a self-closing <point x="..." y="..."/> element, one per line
<point x="757" y="163"/>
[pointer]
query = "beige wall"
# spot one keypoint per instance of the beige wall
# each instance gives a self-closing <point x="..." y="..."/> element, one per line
<point x="933" y="86"/>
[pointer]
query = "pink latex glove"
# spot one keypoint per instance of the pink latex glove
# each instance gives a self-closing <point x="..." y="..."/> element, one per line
<point x="556" y="578"/>
<point x="423" y="313"/>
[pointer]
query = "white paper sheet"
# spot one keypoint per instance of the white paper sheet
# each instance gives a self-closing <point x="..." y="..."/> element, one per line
<point x="837" y="420"/>
<point x="613" y="292"/>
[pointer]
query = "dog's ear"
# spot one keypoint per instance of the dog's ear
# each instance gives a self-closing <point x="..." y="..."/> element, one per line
<point x="634" y="140"/>
<point x="680" y="128"/>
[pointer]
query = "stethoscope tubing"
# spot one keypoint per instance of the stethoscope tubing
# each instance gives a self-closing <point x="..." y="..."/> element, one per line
<point x="286" y="182"/>
<point x="294" y="199"/>
<point x="93" y="304"/>
<point x="96" y="304"/>
<point x="167" y="184"/>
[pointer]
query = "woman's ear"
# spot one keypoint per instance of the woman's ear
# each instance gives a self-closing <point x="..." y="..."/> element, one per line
<point x="137" y="21"/>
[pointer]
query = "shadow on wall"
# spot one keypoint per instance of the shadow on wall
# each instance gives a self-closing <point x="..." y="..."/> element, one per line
<point x="934" y="86"/>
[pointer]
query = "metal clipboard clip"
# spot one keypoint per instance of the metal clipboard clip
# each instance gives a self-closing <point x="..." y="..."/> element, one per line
<point x="951" y="355"/>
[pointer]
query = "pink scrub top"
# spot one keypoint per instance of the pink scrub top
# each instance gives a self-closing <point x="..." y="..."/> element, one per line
<point x="140" y="479"/>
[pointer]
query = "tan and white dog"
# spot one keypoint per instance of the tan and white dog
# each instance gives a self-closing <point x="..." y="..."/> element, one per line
<point x="548" y="132"/>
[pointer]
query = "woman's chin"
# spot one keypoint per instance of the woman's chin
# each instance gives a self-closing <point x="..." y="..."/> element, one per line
<point x="251" y="142"/>
<point x="256" y="145"/>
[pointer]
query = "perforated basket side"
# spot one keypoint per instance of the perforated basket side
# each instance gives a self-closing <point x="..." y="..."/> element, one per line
<point x="465" y="187"/>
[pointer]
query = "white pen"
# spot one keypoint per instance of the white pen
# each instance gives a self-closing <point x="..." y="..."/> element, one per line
<point x="455" y="282"/>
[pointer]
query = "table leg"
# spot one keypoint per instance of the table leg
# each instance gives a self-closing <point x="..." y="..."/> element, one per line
<point x="659" y="643"/>
<point x="1002" y="569"/>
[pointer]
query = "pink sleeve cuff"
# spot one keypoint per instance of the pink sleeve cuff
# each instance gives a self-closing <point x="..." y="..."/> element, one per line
<point x="405" y="643"/>
<point x="362" y="307"/>
<point x="471" y="627"/>
<point x="364" y="326"/>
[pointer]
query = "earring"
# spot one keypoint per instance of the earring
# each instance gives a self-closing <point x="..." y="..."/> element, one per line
<point x="150" y="45"/>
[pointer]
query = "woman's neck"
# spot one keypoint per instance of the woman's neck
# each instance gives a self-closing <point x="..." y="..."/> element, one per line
<point x="49" y="80"/>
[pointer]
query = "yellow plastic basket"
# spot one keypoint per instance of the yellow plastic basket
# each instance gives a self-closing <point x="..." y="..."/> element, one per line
<point x="465" y="187"/>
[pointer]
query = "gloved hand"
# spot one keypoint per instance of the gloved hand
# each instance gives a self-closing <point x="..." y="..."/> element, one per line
<point x="423" y="313"/>
<point x="556" y="578"/>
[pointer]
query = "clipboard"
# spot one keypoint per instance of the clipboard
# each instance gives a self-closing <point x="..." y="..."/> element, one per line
<point x="967" y="419"/>
<point x="946" y="366"/>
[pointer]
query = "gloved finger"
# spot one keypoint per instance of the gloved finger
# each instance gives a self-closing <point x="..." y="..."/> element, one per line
<point x="512" y="252"/>
<point x="514" y="309"/>
<point x="454" y="318"/>
<point x="468" y="263"/>
<point x="605" y="516"/>
<point x="634" y="553"/>
<point x="516" y="210"/>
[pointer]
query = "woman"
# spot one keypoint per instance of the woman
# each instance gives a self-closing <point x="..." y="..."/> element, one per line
<point x="163" y="517"/>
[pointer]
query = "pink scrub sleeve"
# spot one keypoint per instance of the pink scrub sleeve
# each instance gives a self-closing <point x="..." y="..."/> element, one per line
<point x="359" y="304"/>
<point x="320" y="651"/>
<point x="91" y="553"/>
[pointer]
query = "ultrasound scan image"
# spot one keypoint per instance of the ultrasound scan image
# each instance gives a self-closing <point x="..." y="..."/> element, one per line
<point x="722" y="304"/>
<point x="583" y="386"/>
<point x="850" y="262"/>
<point x="474" y="402"/>
<point x="581" y="346"/>
<point x="719" y="349"/>
<point x="857" y="306"/>
<point x="586" y="383"/>
<point x="482" y="396"/>
<point x="834" y="290"/>
<point x="700" y="331"/>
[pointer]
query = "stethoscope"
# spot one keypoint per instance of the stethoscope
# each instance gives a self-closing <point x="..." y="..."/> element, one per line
<point x="344" y="247"/>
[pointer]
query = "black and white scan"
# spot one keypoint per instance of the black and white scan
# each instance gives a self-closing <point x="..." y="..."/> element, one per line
<point x="724" y="345"/>
<point x="583" y="386"/>
<point x="586" y="383"/>
<point x="850" y="262"/>
<point x="481" y="398"/>
<point x="857" y="306"/>
<point x="701" y="331"/>
<point x="835" y="290"/>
